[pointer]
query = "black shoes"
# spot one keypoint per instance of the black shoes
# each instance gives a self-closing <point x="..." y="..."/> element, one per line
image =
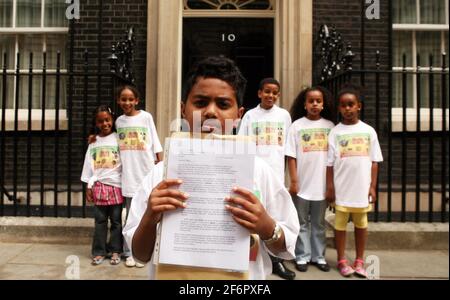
<point x="301" y="267"/>
<point x="324" y="267"/>
<point x="280" y="269"/>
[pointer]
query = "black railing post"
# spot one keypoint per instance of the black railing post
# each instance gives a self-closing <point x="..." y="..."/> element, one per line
<point x="44" y="104"/>
<point x="16" y="129"/>
<point x="431" y="144"/>
<point x="30" y="107"/>
<point x="85" y="133"/>
<point x="418" y="139"/>
<point x="404" y="136"/>
<point x="377" y="120"/>
<point x="70" y="118"/>
<point x="70" y="112"/>
<point x="389" y="121"/>
<point x="56" y="158"/>
<point x="444" y="136"/>
<point x="3" y="133"/>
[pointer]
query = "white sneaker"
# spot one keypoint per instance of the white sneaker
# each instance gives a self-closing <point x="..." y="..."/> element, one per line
<point x="130" y="262"/>
<point x="139" y="265"/>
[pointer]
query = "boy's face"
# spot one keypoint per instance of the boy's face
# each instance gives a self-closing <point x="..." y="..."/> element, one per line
<point x="269" y="95"/>
<point x="127" y="102"/>
<point x="212" y="101"/>
<point x="349" y="107"/>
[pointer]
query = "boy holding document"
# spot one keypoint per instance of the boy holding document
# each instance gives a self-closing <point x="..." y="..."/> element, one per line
<point x="214" y="90"/>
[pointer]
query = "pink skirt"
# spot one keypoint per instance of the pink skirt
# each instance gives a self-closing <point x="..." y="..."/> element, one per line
<point x="106" y="194"/>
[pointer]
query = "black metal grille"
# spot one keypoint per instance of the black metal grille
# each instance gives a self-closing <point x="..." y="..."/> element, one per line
<point x="42" y="155"/>
<point x="416" y="159"/>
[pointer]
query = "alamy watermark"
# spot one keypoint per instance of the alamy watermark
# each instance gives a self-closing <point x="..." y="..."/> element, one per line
<point x="373" y="10"/>
<point x="73" y="10"/>
<point x="373" y="269"/>
<point x="73" y="270"/>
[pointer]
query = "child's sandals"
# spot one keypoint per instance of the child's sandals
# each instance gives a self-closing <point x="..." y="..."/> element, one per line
<point x="344" y="269"/>
<point x="358" y="266"/>
<point x="115" y="259"/>
<point x="98" y="260"/>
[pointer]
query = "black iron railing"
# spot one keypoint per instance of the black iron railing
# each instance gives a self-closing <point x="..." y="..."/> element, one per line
<point x="41" y="157"/>
<point x="413" y="179"/>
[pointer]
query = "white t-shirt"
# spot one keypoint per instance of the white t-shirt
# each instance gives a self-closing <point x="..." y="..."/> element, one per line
<point x="351" y="151"/>
<point x="102" y="162"/>
<point x="273" y="195"/>
<point x="269" y="128"/>
<point x="307" y="141"/>
<point x="138" y="143"/>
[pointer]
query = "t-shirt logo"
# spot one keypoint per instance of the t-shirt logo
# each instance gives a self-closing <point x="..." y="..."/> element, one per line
<point x="268" y="133"/>
<point x="357" y="144"/>
<point x="105" y="157"/>
<point x="314" y="139"/>
<point x="132" y="138"/>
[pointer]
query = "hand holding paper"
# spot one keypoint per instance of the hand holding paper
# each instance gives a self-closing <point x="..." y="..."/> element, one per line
<point x="164" y="198"/>
<point x="249" y="213"/>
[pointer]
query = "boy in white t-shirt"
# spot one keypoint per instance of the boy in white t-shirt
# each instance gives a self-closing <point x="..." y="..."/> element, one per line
<point x="139" y="145"/>
<point x="353" y="156"/>
<point x="269" y="125"/>
<point x="214" y="90"/>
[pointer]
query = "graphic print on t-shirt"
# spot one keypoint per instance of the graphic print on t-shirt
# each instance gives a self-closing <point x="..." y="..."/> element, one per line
<point x="357" y="144"/>
<point x="132" y="138"/>
<point x="105" y="157"/>
<point x="314" y="139"/>
<point x="268" y="133"/>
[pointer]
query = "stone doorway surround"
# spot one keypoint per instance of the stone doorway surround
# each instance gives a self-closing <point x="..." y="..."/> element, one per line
<point x="293" y="52"/>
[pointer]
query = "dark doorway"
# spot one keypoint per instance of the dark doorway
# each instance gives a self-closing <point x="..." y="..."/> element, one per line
<point x="248" y="41"/>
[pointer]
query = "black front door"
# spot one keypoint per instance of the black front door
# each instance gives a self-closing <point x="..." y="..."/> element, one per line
<point x="248" y="41"/>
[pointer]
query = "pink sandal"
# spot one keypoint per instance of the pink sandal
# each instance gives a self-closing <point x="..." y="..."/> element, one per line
<point x="344" y="269"/>
<point x="358" y="266"/>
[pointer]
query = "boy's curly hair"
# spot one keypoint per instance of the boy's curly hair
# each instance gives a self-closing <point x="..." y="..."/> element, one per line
<point x="298" y="107"/>
<point x="218" y="67"/>
<point x="269" y="80"/>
